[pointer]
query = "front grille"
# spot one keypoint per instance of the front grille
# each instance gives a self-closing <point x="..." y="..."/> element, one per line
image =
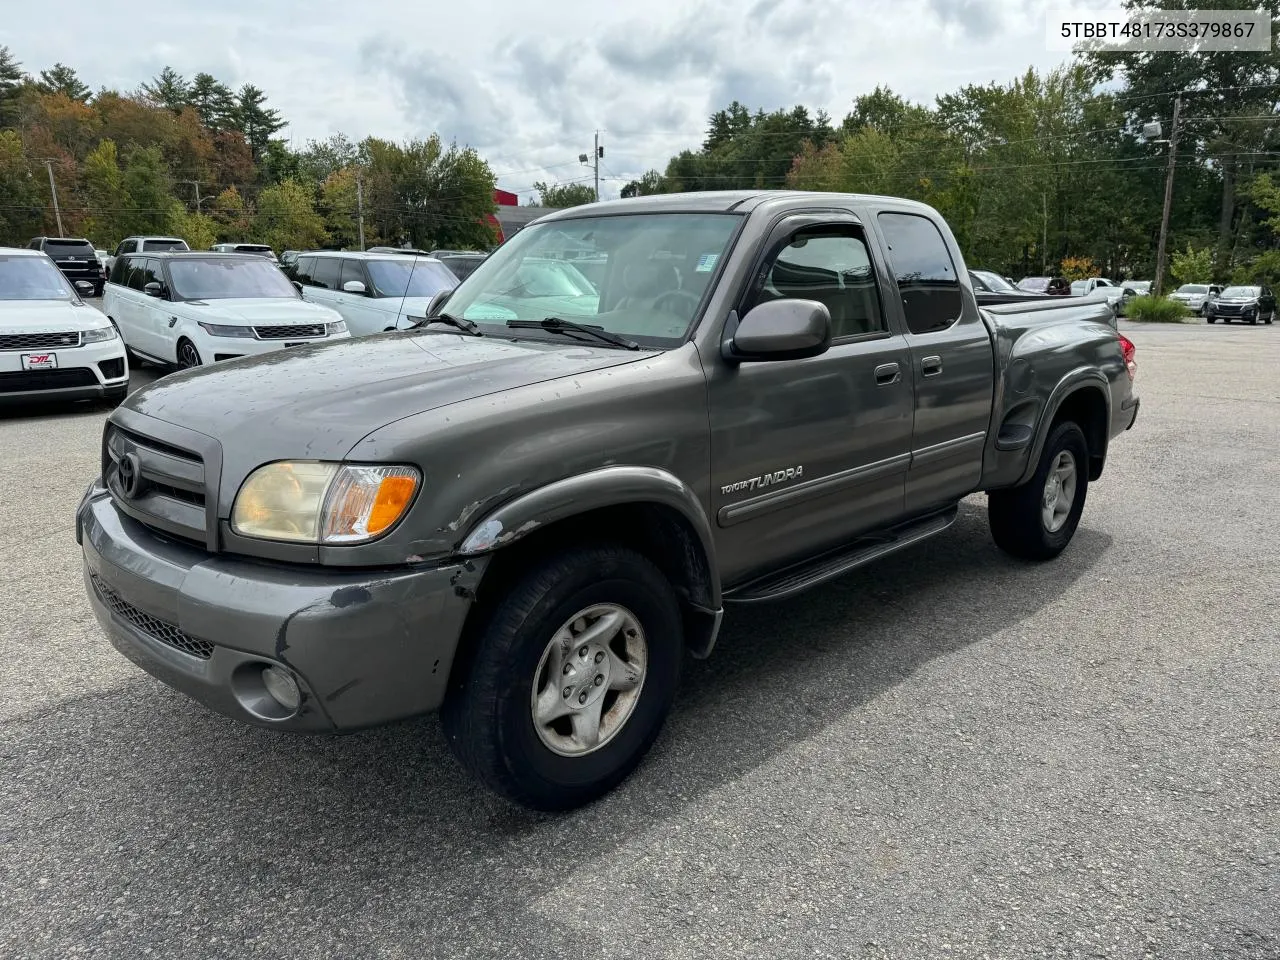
<point x="38" y="341"/>
<point x="155" y="628"/>
<point x="47" y="379"/>
<point x="1228" y="308"/>
<point x="294" y="332"/>
<point x="170" y="495"/>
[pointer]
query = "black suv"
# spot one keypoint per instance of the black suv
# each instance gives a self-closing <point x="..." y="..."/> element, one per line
<point x="1247" y="303"/>
<point x="75" y="257"/>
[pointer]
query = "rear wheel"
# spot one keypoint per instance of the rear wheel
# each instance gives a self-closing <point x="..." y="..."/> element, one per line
<point x="188" y="355"/>
<point x="573" y="673"/>
<point x="1037" y="520"/>
<point x="1270" y="316"/>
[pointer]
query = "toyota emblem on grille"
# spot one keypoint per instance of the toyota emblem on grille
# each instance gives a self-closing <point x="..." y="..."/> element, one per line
<point x="129" y="473"/>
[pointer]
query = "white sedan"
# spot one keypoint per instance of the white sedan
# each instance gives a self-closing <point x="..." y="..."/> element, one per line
<point x="53" y="345"/>
<point x="190" y="309"/>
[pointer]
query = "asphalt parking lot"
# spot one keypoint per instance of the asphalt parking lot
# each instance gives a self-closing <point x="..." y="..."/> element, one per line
<point x="949" y="754"/>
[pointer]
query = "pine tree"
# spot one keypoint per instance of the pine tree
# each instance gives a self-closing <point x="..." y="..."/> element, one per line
<point x="63" y="79"/>
<point x="11" y="78"/>
<point x="256" y="121"/>
<point x="213" y="101"/>
<point x="169" y="89"/>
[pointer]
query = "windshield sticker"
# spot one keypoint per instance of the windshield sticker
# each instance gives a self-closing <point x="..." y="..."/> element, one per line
<point x="707" y="262"/>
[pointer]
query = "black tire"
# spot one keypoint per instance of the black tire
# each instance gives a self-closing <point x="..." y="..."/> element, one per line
<point x="1253" y="321"/>
<point x="1015" y="514"/>
<point x="97" y="290"/>
<point x="487" y="715"/>
<point x="188" y="355"/>
<point x="1270" y="316"/>
<point x="1211" y="318"/>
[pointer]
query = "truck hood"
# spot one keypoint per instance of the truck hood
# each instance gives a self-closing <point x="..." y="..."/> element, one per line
<point x="318" y="400"/>
<point x="48" y="316"/>
<point x="248" y="312"/>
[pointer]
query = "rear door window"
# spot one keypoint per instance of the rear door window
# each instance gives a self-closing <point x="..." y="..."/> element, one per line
<point x="352" y="270"/>
<point x="326" y="274"/>
<point x="924" y="271"/>
<point x="134" y="271"/>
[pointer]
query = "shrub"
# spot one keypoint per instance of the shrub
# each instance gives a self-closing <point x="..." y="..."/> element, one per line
<point x="1155" y="310"/>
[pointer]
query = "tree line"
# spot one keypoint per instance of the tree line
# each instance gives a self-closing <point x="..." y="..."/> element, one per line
<point x="1049" y="173"/>
<point x="196" y="159"/>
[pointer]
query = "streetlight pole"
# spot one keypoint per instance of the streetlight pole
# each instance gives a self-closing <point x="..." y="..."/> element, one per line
<point x="1158" y="280"/>
<point x="53" y="189"/>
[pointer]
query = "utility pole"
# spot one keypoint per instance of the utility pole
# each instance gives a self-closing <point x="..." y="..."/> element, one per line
<point x="598" y="153"/>
<point x="199" y="199"/>
<point x="1044" y="234"/>
<point x="1158" y="280"/>
<point x="360" y="207"/>
<point x="53" y="188"/>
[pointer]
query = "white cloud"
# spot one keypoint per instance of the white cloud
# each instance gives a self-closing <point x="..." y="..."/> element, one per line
<point x="529" y="81"/>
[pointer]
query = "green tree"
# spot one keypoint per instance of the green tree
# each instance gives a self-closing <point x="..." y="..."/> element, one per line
<point x="213" y="101"/>
<point x="320" y="159"/>
<point x="22" y="207"/>
<point x="1192" y="266"/>
<point x="62" y="79"/>
<point x="151" y="206"/>
<point x="104" y="194"/>
<point x="339" y="208"/>
<point x="1229" y="110"/>
<point x="255" y="120"/>
<point x="648" y="184"/>
<point x="230" y="215"/>
<point x="564" y="194"/>
<point x="169" y="89"/>
<point x="11" y="80"/>
<point x="199" y="229"/>
<point x="287" y="219"/>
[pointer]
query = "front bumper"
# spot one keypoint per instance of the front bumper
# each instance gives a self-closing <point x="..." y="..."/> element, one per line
<point x="366" y="646"/>
<point x="92" y="371"/>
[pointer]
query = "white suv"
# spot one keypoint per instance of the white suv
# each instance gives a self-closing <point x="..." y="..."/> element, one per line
<point x="53" y="345"/>
<point x="195" y="308"/>
<point x="373" y="291"/>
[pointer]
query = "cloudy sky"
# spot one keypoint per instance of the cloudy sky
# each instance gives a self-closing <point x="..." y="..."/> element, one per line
<point x="528" y="82"/>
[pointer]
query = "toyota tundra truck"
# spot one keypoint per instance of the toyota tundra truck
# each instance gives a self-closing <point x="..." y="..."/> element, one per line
<point x="526" y="509"/>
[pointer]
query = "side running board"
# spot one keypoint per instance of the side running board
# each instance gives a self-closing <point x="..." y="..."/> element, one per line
<point x="809" y="573"/>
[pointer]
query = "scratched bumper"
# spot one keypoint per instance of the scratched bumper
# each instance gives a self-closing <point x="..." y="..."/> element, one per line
<point x="368" y="646"/>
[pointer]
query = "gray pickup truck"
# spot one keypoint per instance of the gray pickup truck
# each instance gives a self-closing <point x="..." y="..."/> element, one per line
<point x="526" y="509"/>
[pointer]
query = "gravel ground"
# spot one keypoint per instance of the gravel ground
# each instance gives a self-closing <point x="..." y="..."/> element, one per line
<point x="949" y="754"/>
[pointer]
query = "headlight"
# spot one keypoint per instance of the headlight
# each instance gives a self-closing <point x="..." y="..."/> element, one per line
<point x="317" y="502"/>
<point x="221" y="330"/>
<point x="339" y="327"/>
<point x="98" y="334"/>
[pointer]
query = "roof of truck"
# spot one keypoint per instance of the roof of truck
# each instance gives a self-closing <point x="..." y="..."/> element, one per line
<point x="724" y="201"/>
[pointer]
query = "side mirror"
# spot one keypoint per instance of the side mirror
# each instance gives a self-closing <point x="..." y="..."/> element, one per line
<point x="84" y="288"/>
<point x="437" y="302"/>
<point x="298" y="285"/>
<point x="354" y="286"/>
<point x="154" y="289"/>
<point x="780" y="330"/>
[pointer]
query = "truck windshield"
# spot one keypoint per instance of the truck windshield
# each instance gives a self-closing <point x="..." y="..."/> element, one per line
<point x="646" y="278"/>
<point x="32" y="278"/>
<point x="162" y="245"/>
<point x="197" y="279"/>
<point x="1193" y="288"/>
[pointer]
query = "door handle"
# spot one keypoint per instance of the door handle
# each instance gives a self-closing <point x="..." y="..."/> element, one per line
<point x="931" y="366"/>
<point x="888" y="373"/>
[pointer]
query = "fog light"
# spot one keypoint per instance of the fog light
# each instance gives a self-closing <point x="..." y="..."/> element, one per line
<point x="281" y="685"/>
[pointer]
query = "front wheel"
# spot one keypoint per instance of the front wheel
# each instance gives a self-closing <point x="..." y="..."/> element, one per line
<point x="1211" y="318"/>
<point x="1037" y="520"/>
<point x="188" y="355"/>
<point x="572" y="675"/>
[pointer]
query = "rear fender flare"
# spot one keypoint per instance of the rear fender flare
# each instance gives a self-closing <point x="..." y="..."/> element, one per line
<point x="597" y="489"/>
<point x="1080" y="379"/>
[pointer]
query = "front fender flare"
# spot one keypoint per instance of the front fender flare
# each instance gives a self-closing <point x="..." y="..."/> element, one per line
<point x="596" y="489"/>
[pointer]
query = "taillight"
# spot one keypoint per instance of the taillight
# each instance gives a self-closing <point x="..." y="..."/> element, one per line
<point x="1130" y="353"/>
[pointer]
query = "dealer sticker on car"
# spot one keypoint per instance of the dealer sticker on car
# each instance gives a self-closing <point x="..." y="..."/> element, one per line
<point x="39" y="361"/>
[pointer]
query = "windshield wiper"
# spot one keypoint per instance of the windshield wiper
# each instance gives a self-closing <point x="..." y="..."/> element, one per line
<point x="568" y="327"/>
<point x="463" y="324"/>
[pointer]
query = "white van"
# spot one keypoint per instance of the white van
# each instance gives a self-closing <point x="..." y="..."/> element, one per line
<point x="191" y="309"/>
<point x="373" y="291"/>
